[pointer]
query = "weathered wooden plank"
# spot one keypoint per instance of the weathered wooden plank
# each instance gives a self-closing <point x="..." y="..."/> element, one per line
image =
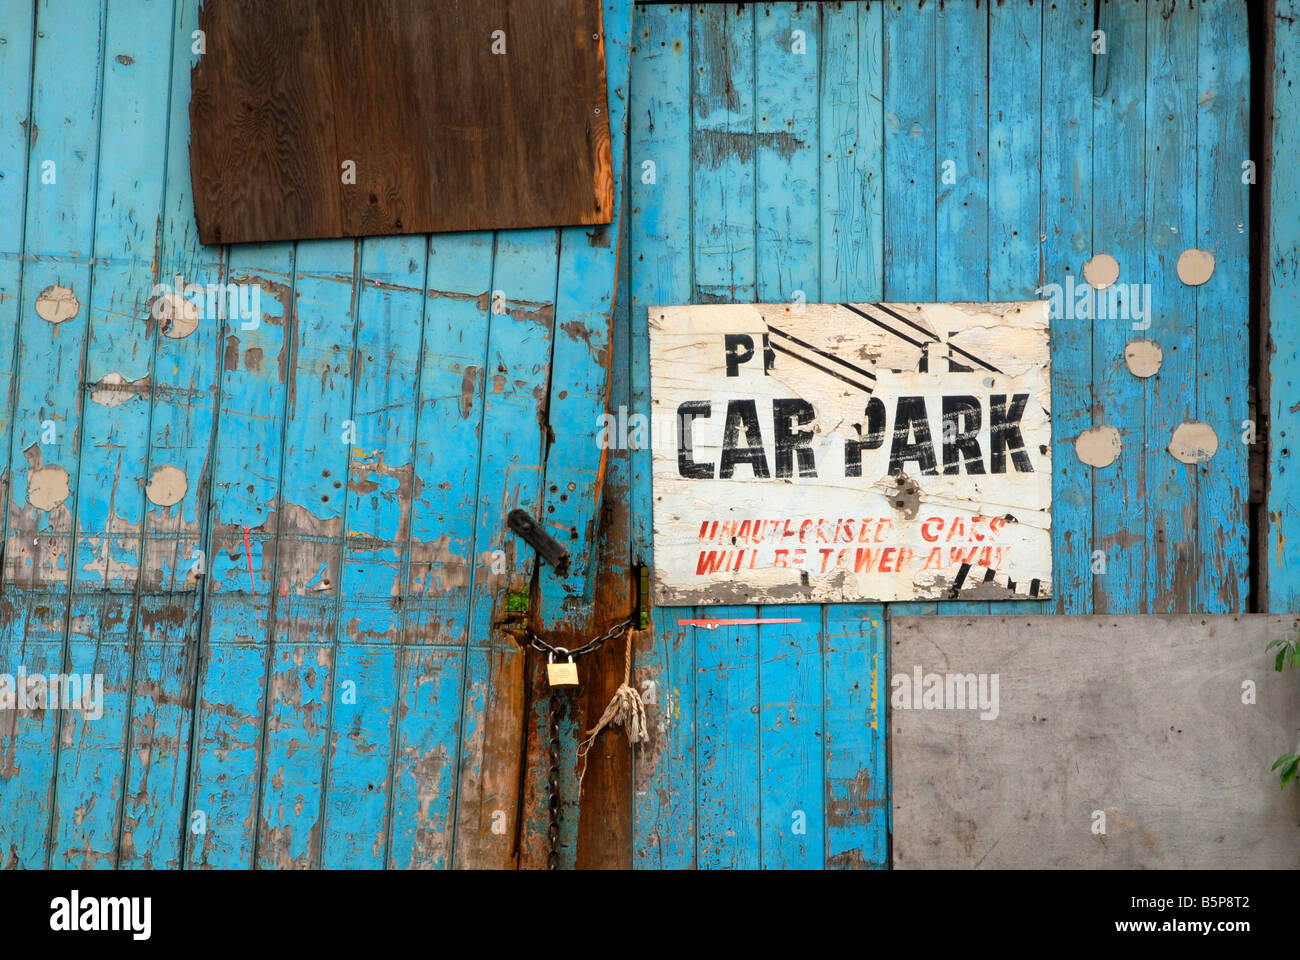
<point x="1222" y="306"/>
<point x="301" y="675"/>
<point x="153" y="816"/>
<point x="319" y="433"/>
<point x="53" y="321"/>
<point x="607" y="809"/>
<point x="17" y="29"/>
<point x="92" y="738"/>
<point x="510" y="131"/>
<point x="727" y="729"/>
<point x="175" y="550"/>
<point x="1283" y="292"/>
<point x="422" y="801"/>
<point x="112" y="477"/>
<point x="376" y="546"/>
<point x="792" y="814"/>
<point x="1118" y="231"/>
<point x="580" y="361"/>
<point x="963" y="228"/>
<point x="853" y="132"/>
<point x="787" y="51"/>
<point x="362" y="721"/>
<point x="854" y="716"/>
<point x="851" y="191"/>
<point x="1169" y="488"/>
<point x="226" y="760"/>
<point x="1015" y="33"/>
<point x="52" y="333"/>
<point x="221" y="820"/>
<point x="660" y="245"/>
<point x="514" y="437"/>
<point x="1066" y="136"/>
<point x="912" y="174"/>
<point x="27" y="739"/>
<point x="570" y="609"/>
<point x="428" y="751"/>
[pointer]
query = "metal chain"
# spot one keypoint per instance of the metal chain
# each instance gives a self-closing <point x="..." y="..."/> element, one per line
<point x="553" y="781"/>
<point x="595" y="643"/>
<point x="553" y="735"/>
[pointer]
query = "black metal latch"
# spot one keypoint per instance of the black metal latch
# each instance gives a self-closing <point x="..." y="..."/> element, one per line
<point x="547" y="547"/>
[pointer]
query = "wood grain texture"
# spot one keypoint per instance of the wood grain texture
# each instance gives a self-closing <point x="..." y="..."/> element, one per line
<point x="659" y="134"/>
<point x="455" y="116"/>
<point x="1119" y="399"/>
<point x="1066" y="138"/>
<point x="1283" y="265"/>
<point x="1223" y="228"/>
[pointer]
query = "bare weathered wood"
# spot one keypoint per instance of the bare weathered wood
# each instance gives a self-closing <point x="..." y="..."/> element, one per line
<point x="398" y="116"/>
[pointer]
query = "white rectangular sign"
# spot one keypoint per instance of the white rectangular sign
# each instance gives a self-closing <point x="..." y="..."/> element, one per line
<point x="851" y="452"/>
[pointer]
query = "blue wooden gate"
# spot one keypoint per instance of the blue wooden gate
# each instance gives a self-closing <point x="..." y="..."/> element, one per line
<point x="923" y="151"/>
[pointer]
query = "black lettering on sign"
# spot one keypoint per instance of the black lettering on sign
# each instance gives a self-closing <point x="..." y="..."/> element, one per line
<point x="742" y="415"/>
<point x="790" y="443"/>
<point x="686" y="464"/>
<point x="739" y="349"/>
<point x="871" y="440"/>
<point x="964" y="443"/>
<point x="1004" y="433"/>
<point x="909" y="419"/>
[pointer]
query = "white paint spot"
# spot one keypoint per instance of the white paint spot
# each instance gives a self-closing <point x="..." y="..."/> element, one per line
<point x="1101" y="271"/>
<point x="179" y="317"/>
<point x="167" y="486"/>
<point x="57" y="304"/>
<point x="1143" y="357"/>
<point x="1195" y="266"/>
<point x="47" y="487"/>
<point x="1099" y="447"/>
<point x="1193" y="442"/>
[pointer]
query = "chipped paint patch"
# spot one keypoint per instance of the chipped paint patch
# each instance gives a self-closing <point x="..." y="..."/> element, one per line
<point x="1195" y="266"/>
<point x="1099" y="446"/>
<point x="167" y="486"/>
<point x="178" y="316"/>
<point x="56" y="304"/>
<point x="1101" y="271"/>
<point x="1143" y="357"/>
<point x="1193" y="442"/>
<point x="48" y="487"/>
<point x="114" y="389"/>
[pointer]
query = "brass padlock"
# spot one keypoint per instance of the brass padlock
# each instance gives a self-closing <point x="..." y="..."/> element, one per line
<point x="563" y="674"/>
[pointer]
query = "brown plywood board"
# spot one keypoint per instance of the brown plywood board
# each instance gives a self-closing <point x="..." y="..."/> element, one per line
<point x="449" y="115"/>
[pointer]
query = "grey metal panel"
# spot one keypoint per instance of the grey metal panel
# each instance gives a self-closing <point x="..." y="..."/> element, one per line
<point x="1141" y="717"/>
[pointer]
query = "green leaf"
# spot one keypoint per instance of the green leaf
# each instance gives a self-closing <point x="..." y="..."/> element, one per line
<point x="1288" y="773"/>
<point x="1285" y="758"/>
<point x="1281" y="655"/>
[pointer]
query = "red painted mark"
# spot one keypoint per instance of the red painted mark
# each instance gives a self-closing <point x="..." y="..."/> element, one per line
<point x="710" y="624"/>
<point x="249" y="551"/>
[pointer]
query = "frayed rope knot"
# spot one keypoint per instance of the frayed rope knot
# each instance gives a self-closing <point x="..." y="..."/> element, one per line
<point x="625" y="710"/>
